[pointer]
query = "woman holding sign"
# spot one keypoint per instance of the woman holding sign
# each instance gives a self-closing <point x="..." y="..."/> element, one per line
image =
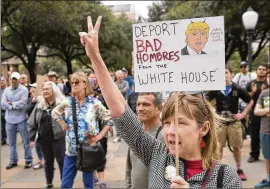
<point x="198" y="146"/>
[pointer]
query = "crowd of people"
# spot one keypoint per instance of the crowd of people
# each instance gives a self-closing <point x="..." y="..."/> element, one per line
<point x="102" y="99"/>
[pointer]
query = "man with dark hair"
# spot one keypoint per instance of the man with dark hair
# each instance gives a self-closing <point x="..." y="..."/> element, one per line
<point x="227" y="106"/>
<point x="149" y="107"/>
<point x="254" y="88"/>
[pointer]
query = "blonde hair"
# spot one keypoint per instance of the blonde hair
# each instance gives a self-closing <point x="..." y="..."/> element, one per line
<point x="57" y="95"/>
<point x="81" y="76"/>
<point x="196" y="107"/>
<point x="197" y="26"/>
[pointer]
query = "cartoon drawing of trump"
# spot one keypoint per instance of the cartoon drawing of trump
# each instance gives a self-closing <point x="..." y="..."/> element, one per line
<point x="196" y="38"/>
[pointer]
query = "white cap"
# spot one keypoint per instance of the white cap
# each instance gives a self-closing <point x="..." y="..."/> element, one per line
<point x="15" y="75"/>
<point x="33" y="85"/>
<point x="243" y="63"/>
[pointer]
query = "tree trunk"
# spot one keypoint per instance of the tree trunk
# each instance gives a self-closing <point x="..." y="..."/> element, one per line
<point x="69" y="66"/>
<point x="32" y="65"/>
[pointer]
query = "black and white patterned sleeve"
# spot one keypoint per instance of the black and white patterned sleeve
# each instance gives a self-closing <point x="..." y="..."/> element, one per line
<point x="141" y="143"/>
<point x="231" y="178"/>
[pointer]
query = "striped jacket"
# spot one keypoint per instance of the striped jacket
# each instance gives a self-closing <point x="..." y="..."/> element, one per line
<point x="154" y="154"/>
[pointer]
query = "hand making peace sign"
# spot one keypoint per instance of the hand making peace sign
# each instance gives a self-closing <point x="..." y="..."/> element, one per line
<point x="90" y="40"/>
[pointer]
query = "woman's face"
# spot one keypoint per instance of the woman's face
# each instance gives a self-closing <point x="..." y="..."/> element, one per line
<point x="47" y="91"/>
<point x="32" y="91"/>
<point x="189" y="136"/>
<point x="77" y="86"/>
<point x="59" y="80"/>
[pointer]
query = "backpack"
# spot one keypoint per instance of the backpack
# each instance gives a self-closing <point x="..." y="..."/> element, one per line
<point x="220" y="176"/>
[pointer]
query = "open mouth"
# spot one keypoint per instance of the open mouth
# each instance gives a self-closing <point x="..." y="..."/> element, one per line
<point x="173" y="142"/>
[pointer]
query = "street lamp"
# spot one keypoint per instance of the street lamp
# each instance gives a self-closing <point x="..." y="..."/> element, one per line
<point x="250" y="19"/>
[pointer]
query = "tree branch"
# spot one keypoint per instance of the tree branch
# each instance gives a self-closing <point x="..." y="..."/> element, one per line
<point x="52" y="55"/>
<point x="261" y="45"/>
<point x="14" y="53"/>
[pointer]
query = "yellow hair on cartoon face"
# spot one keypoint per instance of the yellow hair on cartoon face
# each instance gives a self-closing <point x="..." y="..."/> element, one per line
<point x="197" y="26"/>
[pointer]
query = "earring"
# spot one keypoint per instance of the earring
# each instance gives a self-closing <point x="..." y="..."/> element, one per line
<point x="202" y="144"/>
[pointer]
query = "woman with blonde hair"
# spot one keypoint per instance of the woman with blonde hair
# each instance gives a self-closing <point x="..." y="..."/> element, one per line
<point x="199" y="164"/>
<point x="88" y="111"/>
<point x="46" y="132"/>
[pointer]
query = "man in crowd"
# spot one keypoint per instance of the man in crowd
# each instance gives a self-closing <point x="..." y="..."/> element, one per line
<point x="149" y="107"/>
<point x="3" y="121"/>
<point x="14" y="101"/>
<point x="67" y="87"/>
<point x="227" y="106"/>
<point x="242" y="79"/>
<point x="262" y="109"/>
<point x="123" y="87"/>
<point x="254" y="88"/>
<point x="130" y="81"/>
<point x="24" y="80"/>
<point x="52" y="76"/>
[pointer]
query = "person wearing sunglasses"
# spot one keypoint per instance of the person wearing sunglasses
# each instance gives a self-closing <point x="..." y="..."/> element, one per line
<point x="198" y="146"/>
<point x="89" y="111"/>
<point x="243" y="78"/>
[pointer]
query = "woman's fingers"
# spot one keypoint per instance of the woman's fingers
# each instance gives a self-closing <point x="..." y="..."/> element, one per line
<point x="97" y="25"/>
<point x="179" y="182"/>
<point x="89" y="24"/>
<point x="82" y="41"/>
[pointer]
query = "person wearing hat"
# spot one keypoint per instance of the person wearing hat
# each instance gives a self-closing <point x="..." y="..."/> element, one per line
<point x="14" y="101"/>
<point x="52" y="76"/>
<point x="243" y="78"/>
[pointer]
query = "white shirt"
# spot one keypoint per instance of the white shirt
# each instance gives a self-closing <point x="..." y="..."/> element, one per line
<point x="243" y="80"/>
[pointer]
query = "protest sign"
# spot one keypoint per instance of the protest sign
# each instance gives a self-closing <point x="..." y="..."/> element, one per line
<point x="40" y="80"/>
<point x="179" y="55"/>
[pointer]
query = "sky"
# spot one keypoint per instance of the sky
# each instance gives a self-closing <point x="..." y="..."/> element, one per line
<point x="140" y="6"/>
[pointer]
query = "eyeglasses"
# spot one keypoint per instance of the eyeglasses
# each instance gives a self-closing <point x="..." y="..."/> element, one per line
<point x="243" y="66"/>
<point x="75" y="82"/>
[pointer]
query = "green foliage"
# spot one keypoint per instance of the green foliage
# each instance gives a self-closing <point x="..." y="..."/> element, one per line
<point x="261" y="59"/>
<point x="32" y="29"/>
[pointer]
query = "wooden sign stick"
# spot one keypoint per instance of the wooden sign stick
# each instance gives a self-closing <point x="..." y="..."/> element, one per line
<point x="176" y="135"/>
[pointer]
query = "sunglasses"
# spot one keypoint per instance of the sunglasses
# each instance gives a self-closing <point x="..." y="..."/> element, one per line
<point x="75" y="82"/>
<point x="243" y="66"/>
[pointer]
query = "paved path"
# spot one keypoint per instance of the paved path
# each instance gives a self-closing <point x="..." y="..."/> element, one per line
<point x="114" y="173"/>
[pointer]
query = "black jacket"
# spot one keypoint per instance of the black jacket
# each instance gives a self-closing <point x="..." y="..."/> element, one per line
<point x="230" y="102"/>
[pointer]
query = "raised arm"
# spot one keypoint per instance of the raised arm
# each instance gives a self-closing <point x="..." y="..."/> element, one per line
<point x="141" y="143"/>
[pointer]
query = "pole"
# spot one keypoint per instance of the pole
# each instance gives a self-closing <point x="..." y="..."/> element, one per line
<point x="176" y="135"/>
<point x="249" y="35"/>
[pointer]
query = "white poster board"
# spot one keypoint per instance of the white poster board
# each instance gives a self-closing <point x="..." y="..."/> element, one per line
<point x="179" y="55"/>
